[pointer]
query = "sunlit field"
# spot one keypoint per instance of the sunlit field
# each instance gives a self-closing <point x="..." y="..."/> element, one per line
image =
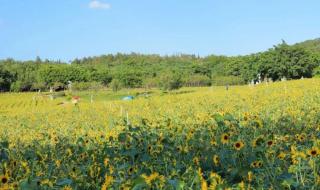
<point x="248" y="137"/>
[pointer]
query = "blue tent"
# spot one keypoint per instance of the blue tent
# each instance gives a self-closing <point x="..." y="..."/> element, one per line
<point x="128" y="98"/>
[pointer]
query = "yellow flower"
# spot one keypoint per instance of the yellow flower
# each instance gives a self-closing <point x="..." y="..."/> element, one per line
<point x="256" y="164"/>
<point x="107" y="182"/>
<point x="216" y="178"/>
<point x="242" y="185"/>
<point x="215" y="160"/>
<point x="58" y="163"/>
<point x="196" y="160"/>
<point x="204" y="184"/>
<point x="225" y="138"/>
<point x="270" y="143"/>
<point x="149" y="179"/>
<point x="314" y="151"/>
<point x="238" y="145"/>
<point x="296" y="155"/>
<point x="213" y="142"/>
<point x="257" y="142"/>
<point x="250" y="176"/>
<point x="130" y="170"/>
<point x="281" y="156"/>
<point x="301" y="137"/>
<point x="4" y="179"/>
<point x="47" y="182"/>
<point x="67" y="187"/>
<point x="106" y="161"/>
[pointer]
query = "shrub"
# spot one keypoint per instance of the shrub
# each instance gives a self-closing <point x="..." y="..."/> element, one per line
<point x="170" y="81"/>
<point x="115" y="85"/>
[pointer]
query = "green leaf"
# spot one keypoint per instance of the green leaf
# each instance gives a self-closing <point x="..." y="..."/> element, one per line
<point x="29" y="185"/>
<point x="139" y="183"/>
<point x="177" y="184"/>
<point x="63" y="182"/>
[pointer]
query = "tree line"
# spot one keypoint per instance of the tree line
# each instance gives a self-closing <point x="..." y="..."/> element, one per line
<point x="166" y="72"/>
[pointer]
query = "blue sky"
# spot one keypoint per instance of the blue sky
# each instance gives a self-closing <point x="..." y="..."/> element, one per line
<point x="66" y="29"/>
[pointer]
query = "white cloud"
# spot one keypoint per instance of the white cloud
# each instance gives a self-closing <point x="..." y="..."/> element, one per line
<point x="95" y="4"/>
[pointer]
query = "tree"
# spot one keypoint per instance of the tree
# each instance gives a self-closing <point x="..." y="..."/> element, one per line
<point x="287" y="61"/>
<point x="170" y="81"/>
<point x="5" y="80"/>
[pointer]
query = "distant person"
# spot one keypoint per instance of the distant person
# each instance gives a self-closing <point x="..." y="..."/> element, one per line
<point x="227" y="87"/>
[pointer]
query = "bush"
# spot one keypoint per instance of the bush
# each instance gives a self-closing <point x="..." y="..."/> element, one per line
<point x="38" y="86"/>
<point x="58" y="86"/>
<point x="115" y="85"/>
<point x="20" y="86"/>
<point x="81" y="86"/>
<point x="150" y="83"/>
<point x="316" y="72"/>
<point x="170" y="81"/>
<point x="197" y="80"/>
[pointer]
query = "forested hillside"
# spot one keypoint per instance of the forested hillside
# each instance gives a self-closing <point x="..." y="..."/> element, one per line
<point x="167" y="72"/>
<point x="312" y="45"/>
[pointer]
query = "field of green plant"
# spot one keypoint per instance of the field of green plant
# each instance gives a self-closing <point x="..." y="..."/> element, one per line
<point x="248" y="137"/>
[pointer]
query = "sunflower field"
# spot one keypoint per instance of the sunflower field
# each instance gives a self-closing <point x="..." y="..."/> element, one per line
<point x="248" y="137"/>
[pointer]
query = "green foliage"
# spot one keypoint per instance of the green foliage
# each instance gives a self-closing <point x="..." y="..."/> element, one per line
<point x="136" y="70"/>
<point x="197" y="80"/>
<point x="115" y="85"/>
<point x="287" y="61"/>
<point x="5" y="79"/>
<point x="83" y="86"/>
<point x="170" y="81"/>
<point x="316" y="72"/>
<point x="227" y="80"/>
<point x="38" y="86"/>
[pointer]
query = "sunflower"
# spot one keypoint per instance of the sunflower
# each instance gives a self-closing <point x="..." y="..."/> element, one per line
<point x="250" y="176"/>
<point x="58" y="163"/>
<point x="213" y="142"/>
<point x="270" y="143"/>
<point x="216" y="160"/>
<point x="256" y="164"/>
<point x="106" y="161"/>
<point x="130" y="170"/>
<point x="281" y="155"/>
<point x="225" y="138"/>
<point x="314" y="151"/>
<point x="195" y="160"/>
<point x="204" y="184"/>
<point x="4" y="179"/>
<point x="107" y="182"/>
<point x="149" y="179"/>
<point x="238" y="145"/>
<point x="257" y="142"/>
<point x="301" y="137"/>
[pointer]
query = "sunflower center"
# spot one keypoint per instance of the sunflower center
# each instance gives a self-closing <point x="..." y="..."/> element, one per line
<point x="4" y="180"/>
